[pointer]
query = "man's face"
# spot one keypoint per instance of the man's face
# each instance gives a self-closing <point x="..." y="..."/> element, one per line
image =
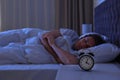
<point x="85" y="42"/>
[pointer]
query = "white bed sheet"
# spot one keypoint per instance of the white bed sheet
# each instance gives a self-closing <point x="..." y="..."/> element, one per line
<point x="105" y="71"/>
<point x="29" y="72"/>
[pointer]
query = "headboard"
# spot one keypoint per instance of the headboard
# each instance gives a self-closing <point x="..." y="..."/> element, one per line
<point x="107" y="21"/>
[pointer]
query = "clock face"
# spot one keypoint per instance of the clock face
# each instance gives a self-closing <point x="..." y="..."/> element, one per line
<point x="86" y="62"/>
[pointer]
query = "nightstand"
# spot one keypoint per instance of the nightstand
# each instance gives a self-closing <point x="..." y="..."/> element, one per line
<point x="99" y="72"/>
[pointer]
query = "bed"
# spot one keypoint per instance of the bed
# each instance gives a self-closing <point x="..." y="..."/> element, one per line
<point x="22" y="38"/>
<point x="107" y="23"/>
<point x="28" y="72"/>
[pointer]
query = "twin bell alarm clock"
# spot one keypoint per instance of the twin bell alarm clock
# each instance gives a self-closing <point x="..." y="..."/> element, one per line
<point x="86" y="60"/>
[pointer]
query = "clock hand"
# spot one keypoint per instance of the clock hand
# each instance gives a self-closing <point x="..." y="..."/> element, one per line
<point x="87" y="62"/>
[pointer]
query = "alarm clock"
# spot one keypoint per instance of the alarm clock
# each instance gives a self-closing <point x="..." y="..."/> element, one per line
<point x="86" y="61"/>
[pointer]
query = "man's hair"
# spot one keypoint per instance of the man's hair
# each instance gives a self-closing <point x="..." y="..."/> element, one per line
<point x="98" y="39"/>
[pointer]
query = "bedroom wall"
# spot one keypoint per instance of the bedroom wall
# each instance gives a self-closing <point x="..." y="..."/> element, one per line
<point x="27" y="13"/>
<point x="46" y="14"/>
<point x="98" y="2"/>
<point x="0" y="15"/>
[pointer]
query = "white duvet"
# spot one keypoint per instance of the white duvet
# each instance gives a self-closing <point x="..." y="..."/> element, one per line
<point x="23" y="46"/>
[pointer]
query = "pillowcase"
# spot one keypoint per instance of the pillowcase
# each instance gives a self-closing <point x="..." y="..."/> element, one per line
<point x="103" y="53"/>
<point x="105" y="38"/>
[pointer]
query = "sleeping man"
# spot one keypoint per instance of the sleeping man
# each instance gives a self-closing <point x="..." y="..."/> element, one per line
<point x="36" y="46"/>
<point x="67" y="56"/>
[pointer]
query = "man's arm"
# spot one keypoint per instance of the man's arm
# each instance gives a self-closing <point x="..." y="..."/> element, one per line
<point x="49" y="42"/>
<point x="52" y="35"/>
<point x="64" y="56"/>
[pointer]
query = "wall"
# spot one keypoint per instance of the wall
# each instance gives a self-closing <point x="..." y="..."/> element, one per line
<point x="46" y="14"/>
<point x="98" y="2"/>
<point x="27" y="13"/>
<point x="0" y="15"/>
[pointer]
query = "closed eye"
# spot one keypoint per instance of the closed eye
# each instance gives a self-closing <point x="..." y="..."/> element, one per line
<point x="87" y="42"/>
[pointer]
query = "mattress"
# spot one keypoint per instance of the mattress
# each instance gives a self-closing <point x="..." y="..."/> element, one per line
<point x="104" y="71"/>
<point x="29" y="72"/>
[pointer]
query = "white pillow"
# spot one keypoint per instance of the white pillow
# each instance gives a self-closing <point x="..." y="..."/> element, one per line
<point x="92" y="33"/>
<point x="103" y="53"/>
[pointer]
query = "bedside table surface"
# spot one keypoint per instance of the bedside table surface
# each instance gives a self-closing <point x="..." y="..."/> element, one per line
<point x="99" y="72"/>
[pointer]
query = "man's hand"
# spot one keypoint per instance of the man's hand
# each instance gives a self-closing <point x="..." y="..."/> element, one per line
<point x="48" y="39"/>
<point x="49" y="36"/>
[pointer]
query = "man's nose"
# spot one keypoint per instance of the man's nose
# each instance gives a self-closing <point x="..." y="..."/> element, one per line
<point x="84" y="45"/>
